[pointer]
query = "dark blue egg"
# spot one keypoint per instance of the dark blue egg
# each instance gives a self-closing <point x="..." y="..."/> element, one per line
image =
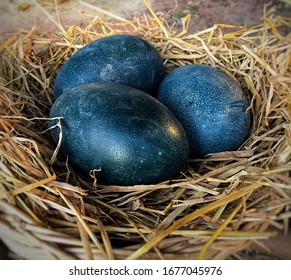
<point x="210" y="105"/>
<point x="123" y="59"/>
<point x="126" y="133"/>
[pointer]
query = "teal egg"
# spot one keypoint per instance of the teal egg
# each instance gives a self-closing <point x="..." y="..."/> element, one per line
<point x="123" y="59"/>
<point x="127" y="134"/>
<point x="210" y="105"/>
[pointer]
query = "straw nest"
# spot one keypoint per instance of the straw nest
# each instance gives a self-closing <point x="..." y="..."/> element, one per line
<point x="218" y="207"/>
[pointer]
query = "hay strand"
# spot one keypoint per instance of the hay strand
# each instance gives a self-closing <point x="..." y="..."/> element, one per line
<point x="189" y="218"/>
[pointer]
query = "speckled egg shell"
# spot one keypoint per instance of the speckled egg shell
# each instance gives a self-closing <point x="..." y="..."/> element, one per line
<point x="123" y="59"/>
<point x="210" y="105"/>
<point x="127" y="133"/>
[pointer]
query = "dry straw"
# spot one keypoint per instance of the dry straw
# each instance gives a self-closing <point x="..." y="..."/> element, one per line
<point x="219" y="206"/>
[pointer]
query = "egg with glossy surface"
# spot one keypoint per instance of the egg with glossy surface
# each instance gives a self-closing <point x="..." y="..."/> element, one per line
<point x="123" y="59"/>
<point x="127" y="134"/>
<point x="210" y="105"/>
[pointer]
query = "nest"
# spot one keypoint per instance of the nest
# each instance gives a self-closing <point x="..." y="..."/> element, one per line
<point x="217" y="208"/>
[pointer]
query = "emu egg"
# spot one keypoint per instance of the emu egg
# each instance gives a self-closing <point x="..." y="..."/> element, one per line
<point x="127" y="134"/>
<point x="123" y="59"/>
<point x="210" y="105"/>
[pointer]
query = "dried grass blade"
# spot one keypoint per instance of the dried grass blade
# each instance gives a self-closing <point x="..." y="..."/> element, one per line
<point x="35" y="185"/>
<point x="218" y="231"/>
<point x="12" y="210"/>
<point x="84" y="224"/>
<point x="150" y="7"/>
<point x="228" y="198"/>
<point x="260" y="60"/>
<point x="106" y="240"/>
<point x="102" y="11"/>
<point x="85" y="241"/>
<point x="58" y="25"/>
